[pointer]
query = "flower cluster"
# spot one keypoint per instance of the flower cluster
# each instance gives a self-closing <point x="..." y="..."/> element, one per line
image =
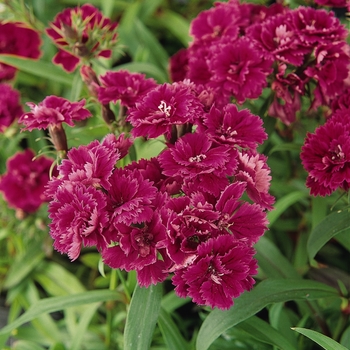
<point x="23" y="185"/>
<point x="80" y="34"/>
<point x="235" y="45"/>
<point x="17" y="39"/>
<point x="326" y="152"/>
<point x="179" y="213"/>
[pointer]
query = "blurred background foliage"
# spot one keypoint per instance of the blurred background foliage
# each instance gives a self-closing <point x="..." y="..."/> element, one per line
<point x="150" y="31"/>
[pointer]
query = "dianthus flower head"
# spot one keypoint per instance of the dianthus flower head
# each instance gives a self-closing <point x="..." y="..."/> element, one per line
<point x="233" y="127"/>
<point x="53" y="111"/>
<point x="222" y="270"/>
<point x="215" y="23"/>
<point x="10" y="108"/>
<point x="124" y="86"/>
<point x="23" y="185"/>
<point x="326" y="155"/>
<point x="202" y="164"/>
<point x="342" y="102"/>
<point x="278" y="37"/>
<point x="92" y="164"/>
<point x="162" y="108"/>
<point x="130" y="197"/>
<point x="19" y="40"/>
<point x="238" y="69"/>
<point x="81" y="33"/>
<point x="79" y="216"/>
<point x="317" y="26"/>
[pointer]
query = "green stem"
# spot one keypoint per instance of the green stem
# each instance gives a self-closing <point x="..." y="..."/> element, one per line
<point x="110" y="309"/>
<point x="125" y="287"/>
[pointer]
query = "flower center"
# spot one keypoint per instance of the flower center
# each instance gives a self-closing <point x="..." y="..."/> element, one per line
<point x="337" y="154"/>
<point x="197" y="159"/>
<point x="163" y="107"/>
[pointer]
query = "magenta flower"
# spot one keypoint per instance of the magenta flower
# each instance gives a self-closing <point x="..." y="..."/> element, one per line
<point x="326" y="155"/>
<point x="233" y="127"/>
<point x="215" y="23"/>
<point x="10" y="108"/>
<point x="53" y="111"/>
<point x="222" y="271"/>
<point x="238" y="69"/>
<point x="330" y="71"/>
<point x="278" y="37"/>
<point x="130" y="197"/>
<point x="317" y="26"/>
<point x="81" y="33"/>
<point x="178" y="65"/>
<point x="246" y="222"/>
<point x="124" y="86"/>
<point x="19" y="40"/>
<point x="203" y="165"/>
<point x="333" y="3"/>
<point x="23" y="185"/>
<point x="163" y="107"/>
<point x="342" y="102"/>
<point x="79" y="216"/>
<point x="254" y="171"/>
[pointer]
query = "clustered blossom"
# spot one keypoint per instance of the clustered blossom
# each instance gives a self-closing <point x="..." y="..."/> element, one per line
<point x="235" y="45"/>
<point x="326" y="154"/>
<point x="19" y="40"/>
<point x="23" y="185"/>
<point x="81" y="33"/>
<point x="10" y="108"/>
<point x="179" y="213"/>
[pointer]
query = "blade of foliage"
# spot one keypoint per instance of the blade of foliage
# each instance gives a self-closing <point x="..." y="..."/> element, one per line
<point x="85" y="320"/>
<point x="330" y="226"/>
<point x="286" y="147"/>
<point x="143" y="67"/>
<point x="322" y="340"/>
<point x="41" y="69"/>
<point x="248" y="304"/>
<point x="26" y="345"/>
<point x="284" y="203"/>
<point x="344" y="239"/>
<point x="272" y="261"/>
<point x="23" y="265"/>
<point x="171" y="302"/>
<point x="262" y="331"/>
<point x="59" y="303"/>
<point x="142" y="317"/>
<point x="170" y="332"/>
<point x="176" y="24"/>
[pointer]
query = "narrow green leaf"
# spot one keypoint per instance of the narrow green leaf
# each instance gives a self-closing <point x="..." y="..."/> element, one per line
<point x="344" y="239"/>
<point x="284" y="203"/>
<point x="142" y="317"/>
<point x="85" y="320"/>
<point x="39" y="68"/>
<point x="263" y="332"/>
<point x="176" y="24"/>
<point x="330" y="226"/>
<point x="26" y="345"/>
<point x="170" y="332"/>
<point x="146" y="68"/>
<point x="24" y="264"/>
<point x="248" y="304"/>
<point x="59" y="303"/>
<point x="171" y="302"/>
<point x="272" y="261"/>
<point x="286" y="147"/>
<point x="322" y="340"/>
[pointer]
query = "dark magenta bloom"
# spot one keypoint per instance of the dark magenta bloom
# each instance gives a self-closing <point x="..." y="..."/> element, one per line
<point x="53" y="111"/>
<point x="19" y="40"/>
<point x="333" y="3"/>
<point x="130" y="197"/>
<point x="124" y="86"/>
<point x="79" y="216"/>
<point x="162" y="108"/>
<point x="23" y="185"/>
<point x="326" y="155"/>
<point x="222" y="270"/>
<point x="203" y="165"/>
<point x="81" y="33"/>
<point x="10" y="108"/>
<point x="233" y="127"/>
<point x="238" y="69"/>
